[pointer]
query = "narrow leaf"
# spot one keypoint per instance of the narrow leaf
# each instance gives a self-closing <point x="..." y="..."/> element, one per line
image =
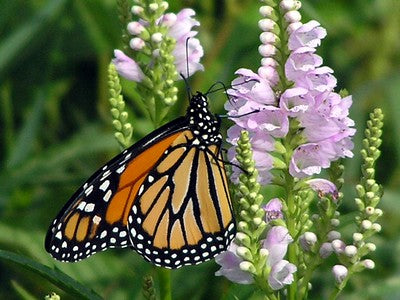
<point x="57" y="277"/>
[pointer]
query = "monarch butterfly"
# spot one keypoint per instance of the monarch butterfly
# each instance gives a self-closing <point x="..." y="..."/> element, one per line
<point x="166" y="197"/>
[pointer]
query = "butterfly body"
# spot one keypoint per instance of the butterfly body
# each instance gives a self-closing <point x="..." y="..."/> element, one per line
<point x="166" y="197"/>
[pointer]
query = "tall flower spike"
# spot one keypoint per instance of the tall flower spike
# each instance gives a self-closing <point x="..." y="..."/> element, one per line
<point x="157" y="53"/>
<point x="123" y="129"/>
<point x="247" y="255"/>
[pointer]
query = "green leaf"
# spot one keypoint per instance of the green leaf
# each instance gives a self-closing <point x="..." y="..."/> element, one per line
<point x="28" y="133"/>
<point x="57" y="277"/>
<point x="12" y="46"/>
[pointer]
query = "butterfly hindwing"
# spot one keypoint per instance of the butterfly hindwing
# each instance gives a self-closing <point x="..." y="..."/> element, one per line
<point x="183" y="213"/>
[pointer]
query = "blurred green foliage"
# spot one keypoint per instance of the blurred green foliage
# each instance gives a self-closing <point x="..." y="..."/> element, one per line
<point x="55" y="129"/>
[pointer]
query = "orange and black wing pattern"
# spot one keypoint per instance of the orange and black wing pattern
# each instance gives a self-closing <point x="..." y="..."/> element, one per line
<point x="166" y="197"/>
<point x="95" y="218"/>
<point x="183" y="213"/>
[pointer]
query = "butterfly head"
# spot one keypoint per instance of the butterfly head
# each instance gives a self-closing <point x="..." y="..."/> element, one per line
<point x="204" y="124"/>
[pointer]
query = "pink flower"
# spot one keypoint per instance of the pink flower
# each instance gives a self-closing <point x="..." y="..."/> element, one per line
<point x="181" y="30"/>
<point x="276" y="243"/>
<point x="281" y="274"/>
<point x="127" y="67"/>
<point x="273" y="210"/>
<point x="300" y="61"/>
<point x="307" y="35"/>
<point x="308" y="160"/>
<point x="323" y="187"/>
<point x="296" y="101"/>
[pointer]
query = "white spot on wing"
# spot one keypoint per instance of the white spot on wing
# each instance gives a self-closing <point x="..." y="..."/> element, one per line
<point x="89" y="207"/>
<point x="107" y="196"/>
<point x="105" y="185"/>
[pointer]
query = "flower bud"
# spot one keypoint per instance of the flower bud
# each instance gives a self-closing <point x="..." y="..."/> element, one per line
<point x="366" y="224"/>
<point x="350" y="250"/>
<point x="264" y="252"/>
<point x="267" y="37"/>
<point x="378" y="212"/>
<point x="137" y="43"/>
<point x="325" y="250"/>
<point x="164" y="5"/>
<point x="369" y="210"/>
<point x="244" y="253"/>
<point x="266" y="11"/>
<point x="169" y="19"/>
<point x="292" y="16"/>
<point x="243" y="226"/>
<point x="338" y="246"/>
<point x="333" y="235"/>
<point x="267" y="50"/>
<point x="153" y="6"/>
<point x="257" y="221"/>
<point x="335" y="222"/>
<point x="266" y="24"/>
<point x="270" y="62"/>
<point x="307" y="240"/>
<point x="357" y="237"/>
<point x="247" y="266"/>
<point x="135" y="28"/>
<point x="376" y="227"/>
<point x="287" y="5"/>
<point x="340" y="272"/>
<point x="137" y="10"/>
<point x="368" y="263"/>
<point x="157" y="37"/>
<point x="370" y="246"/>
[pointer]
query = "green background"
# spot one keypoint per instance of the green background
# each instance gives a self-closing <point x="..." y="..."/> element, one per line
<point x="55" y="129"/>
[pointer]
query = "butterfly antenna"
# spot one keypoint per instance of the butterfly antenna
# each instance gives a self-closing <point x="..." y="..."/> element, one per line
<point x="185" y="78"/>
<point x="188" y="89"/>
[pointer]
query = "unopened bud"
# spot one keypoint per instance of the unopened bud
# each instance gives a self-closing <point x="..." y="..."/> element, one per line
<point x="333" y="235"/>
<point x="335" y="222"/>
<point x="244" y="253"/>
<point x="369" y="210"/>
<point x="292" y="16"/>
<point x="325" y="250"/>
<point x="247" y="266"/>
<point x="157" y="37"/>
<point x="266" y="24"/>
<point x="340" y="272"/>
<point x="368" y="263"/>
<point x="366" y="224"/>
<point x="153" y="6"/>
<point x="338" y="246"/>
<point x="136" y="43"/>
<point x="350" y="250"/>
<point x="376" y="227"/>
<point x="266" y="11"/>
<point x="357" y="237"/>
<point x="137" y="10"/>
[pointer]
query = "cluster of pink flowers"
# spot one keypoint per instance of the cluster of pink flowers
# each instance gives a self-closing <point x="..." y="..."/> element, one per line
<point x="276" y="242"/>
<point x="179" y="28"/>
<point x="322" y="114"/>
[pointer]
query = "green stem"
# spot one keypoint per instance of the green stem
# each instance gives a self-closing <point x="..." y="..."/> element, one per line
<point x="164" y="279"/>
<point x="291" y="223"/>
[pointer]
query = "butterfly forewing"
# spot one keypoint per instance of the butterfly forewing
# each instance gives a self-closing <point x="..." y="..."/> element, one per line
<point x="96" y="216"/>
